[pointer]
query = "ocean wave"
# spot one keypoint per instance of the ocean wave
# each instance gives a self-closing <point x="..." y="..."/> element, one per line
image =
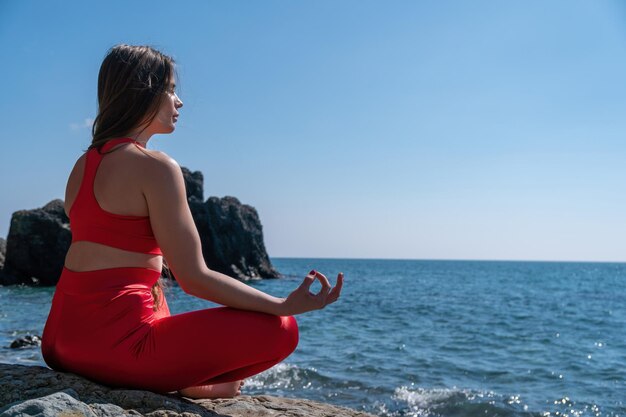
<point x="422" y="398"/>
<point x="449" y="402"/>
<point x="286" y="376"/>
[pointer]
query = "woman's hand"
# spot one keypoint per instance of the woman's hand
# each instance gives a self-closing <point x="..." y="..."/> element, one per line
<point x="302" y="300"/>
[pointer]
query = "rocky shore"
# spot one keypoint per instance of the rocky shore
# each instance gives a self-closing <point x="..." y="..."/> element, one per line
<point x="231" y="235"/>
<point x="35" y="390"/>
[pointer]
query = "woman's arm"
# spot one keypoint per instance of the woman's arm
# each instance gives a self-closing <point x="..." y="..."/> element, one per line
<point x="176" y="232"/>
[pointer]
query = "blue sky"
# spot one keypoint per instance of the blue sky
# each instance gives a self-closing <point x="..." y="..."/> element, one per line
<point x="362" y="129"/>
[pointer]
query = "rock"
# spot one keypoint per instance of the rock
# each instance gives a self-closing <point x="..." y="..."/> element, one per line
<point x="6" y="279"/>
<point x="232" y="238"/>
<point x="266" y="406"/>
<point x="26" y="341"/>
<point x="231" y="233"/>
<point x="53" y="405"/>
<point x="36" y="390"/>
<point x="36" y="245"/>
<point x="194" y="184"/>
<point x="3" y="251"/>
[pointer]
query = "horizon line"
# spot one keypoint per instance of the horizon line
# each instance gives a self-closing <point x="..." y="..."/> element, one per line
<point x="450" y="260"/>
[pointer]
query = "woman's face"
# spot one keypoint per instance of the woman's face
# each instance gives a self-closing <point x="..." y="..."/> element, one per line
<point x="166" y="118"/>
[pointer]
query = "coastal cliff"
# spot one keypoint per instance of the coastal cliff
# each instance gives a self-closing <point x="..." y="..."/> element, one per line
<point x="35" y="390"/>
<point x="231" y="235"/>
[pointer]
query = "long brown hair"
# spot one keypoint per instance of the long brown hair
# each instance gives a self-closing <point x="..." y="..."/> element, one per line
<point x="131" y="86"/>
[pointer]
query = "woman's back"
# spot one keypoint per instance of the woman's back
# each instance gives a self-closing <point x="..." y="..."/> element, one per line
<point x="117" y="187"/>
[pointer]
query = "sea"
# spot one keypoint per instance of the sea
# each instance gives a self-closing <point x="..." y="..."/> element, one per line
<point x="430" y="338"/>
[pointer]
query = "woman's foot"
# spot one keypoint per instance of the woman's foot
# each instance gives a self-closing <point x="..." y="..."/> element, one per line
<point x="225" y="390"/>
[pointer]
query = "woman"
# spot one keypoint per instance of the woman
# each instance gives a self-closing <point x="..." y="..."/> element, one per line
<point x="127" y="205"/>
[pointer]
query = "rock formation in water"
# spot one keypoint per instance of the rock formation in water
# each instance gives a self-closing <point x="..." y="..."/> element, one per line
<point x="3" y="251"/>
<point x="232" y="238"/>
<point x="35" y="390"/>
<point x="27" y="341"/>
<point x="230" y="232"/>
<point x="231" y="235"/>
<point x="36" y="246"/>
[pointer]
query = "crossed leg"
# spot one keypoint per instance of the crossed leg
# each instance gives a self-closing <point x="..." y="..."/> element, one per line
<point x="224" y="390"/>
<point x="227" y="345"/>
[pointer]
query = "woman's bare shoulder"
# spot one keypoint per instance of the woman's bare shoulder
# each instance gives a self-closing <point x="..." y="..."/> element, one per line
<point x="77" y="173"/>
<point x="158" y="160"/>
<point x="74" y="181"/>
<point x="79" y="165"/>
<point x="158" y="166"/>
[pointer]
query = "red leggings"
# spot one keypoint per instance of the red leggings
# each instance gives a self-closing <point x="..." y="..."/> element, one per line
<point x="102" y="326"/>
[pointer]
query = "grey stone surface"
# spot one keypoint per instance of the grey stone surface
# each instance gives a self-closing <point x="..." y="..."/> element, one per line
<point x="26" y="389"/>
<point x="62" y="403"/>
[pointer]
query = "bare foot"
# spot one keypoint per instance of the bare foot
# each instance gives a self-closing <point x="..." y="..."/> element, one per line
<point x="225" y="390"/>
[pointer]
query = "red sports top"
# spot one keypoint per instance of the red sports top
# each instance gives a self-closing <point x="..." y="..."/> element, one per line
<point x="89" y="222"/>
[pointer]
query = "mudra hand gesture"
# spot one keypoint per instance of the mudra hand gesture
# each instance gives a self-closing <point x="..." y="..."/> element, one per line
<point x="302" y="299"/>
